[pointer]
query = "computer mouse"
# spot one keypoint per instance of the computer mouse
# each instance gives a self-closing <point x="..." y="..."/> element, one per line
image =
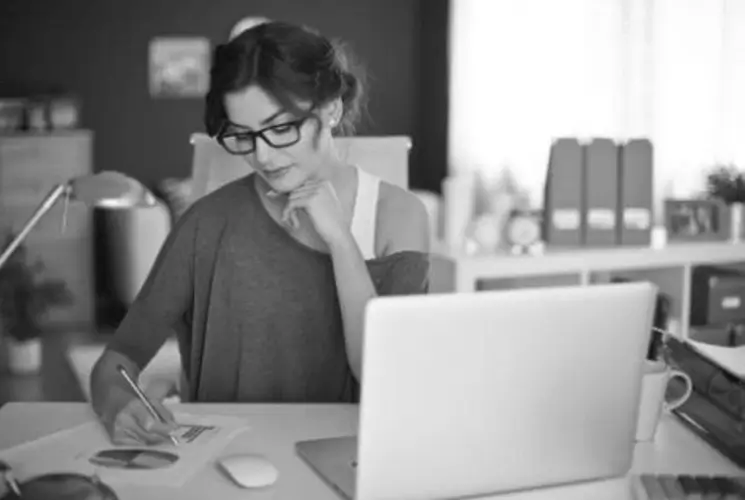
<point x="250" y="471"/>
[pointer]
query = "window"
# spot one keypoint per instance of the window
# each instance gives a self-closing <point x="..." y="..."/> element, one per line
<point x="526" y="71"/>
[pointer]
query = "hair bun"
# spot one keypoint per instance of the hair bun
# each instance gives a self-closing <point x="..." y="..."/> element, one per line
<point x="350" y="86"/>
<point x="351" y="96"/>
<point x="290" y="62"/>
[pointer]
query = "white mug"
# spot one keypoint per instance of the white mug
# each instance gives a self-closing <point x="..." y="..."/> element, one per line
<point x="657" y="376"/>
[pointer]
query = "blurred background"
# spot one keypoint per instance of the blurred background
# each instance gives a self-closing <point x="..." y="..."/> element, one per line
<point x="482" y="88"/>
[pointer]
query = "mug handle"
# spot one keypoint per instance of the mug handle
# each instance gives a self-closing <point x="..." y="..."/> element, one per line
<point x="677" y="403"/>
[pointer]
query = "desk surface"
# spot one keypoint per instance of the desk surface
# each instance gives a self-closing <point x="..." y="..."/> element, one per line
<point x="275" y="429"/>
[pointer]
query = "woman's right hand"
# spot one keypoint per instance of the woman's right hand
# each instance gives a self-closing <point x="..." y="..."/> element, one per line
<point x="133" y="425"/>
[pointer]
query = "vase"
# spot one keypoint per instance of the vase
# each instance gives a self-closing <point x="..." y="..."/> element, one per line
<point x="24" y="357"/>
<point x="485" y="233"/>
<point x="736" y="221"/>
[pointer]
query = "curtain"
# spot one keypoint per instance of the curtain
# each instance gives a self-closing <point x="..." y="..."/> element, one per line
<point x="524" y="72"/>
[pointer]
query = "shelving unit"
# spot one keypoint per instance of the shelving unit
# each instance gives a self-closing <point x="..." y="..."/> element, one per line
<point x="669" y="267"/>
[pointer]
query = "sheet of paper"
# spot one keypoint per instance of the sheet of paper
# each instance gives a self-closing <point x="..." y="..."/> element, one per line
<point x="86" y="449"/>
<point x="730" y="358"/>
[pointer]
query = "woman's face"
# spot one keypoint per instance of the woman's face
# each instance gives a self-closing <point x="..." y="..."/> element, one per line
<point x="294" y="155"/>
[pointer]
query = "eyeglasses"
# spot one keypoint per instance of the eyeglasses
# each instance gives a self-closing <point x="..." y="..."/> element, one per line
<point x="243" y="142"/>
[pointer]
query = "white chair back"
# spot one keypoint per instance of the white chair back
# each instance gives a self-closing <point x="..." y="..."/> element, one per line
<point x="386" y="157"/>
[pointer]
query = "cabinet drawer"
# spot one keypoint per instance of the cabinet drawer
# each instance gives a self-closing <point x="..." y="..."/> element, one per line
<point x="30" y="166"/>
<point x="717" y="296"/>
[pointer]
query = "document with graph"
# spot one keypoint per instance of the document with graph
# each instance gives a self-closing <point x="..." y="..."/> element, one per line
<point x="87" y="449"/>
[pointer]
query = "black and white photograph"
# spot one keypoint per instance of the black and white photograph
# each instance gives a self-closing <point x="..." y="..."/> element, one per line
<point x="374" y="249"/>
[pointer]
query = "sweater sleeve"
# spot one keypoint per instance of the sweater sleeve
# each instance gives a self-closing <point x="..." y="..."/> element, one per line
<point x="163" y="305"/>
<point x="405" y="273"/>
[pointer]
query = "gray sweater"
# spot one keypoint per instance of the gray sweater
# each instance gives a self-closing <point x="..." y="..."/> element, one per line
<point x="256" y="312"/>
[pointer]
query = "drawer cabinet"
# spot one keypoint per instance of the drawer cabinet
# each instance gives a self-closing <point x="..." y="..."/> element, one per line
<point x="31" y="165"/>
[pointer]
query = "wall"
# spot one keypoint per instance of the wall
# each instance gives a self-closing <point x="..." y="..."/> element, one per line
<point x="98" y="49"/>
<point x="430" y="134"/>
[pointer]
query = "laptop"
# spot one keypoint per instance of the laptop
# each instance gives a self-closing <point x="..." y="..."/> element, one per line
<point x="493" y="392"/>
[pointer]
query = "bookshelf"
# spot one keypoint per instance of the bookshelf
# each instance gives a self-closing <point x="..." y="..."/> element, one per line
<point x="669" y="267"/>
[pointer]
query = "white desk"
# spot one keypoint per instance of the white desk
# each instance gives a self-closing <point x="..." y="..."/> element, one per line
<point x="275" y="429"/>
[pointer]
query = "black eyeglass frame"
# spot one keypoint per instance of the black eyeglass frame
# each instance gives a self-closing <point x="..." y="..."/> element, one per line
<point x="254" y="135"/>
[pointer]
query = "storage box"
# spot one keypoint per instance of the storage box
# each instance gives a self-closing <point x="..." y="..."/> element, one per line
<point x="717" y="296"/>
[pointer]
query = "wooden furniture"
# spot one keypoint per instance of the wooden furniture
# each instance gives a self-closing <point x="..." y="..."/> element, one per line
<point x="55" y="381"/>
<point x="30" y="166"/>
<point x="668" y="266"/>
<point x="274" y="429"/>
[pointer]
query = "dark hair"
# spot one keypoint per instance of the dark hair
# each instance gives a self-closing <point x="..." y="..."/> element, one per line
<point x="286" y="61"/>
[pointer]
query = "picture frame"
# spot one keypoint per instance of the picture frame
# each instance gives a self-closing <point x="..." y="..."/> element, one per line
<point x="179" y="67"/>
<point x="697" y="220"/>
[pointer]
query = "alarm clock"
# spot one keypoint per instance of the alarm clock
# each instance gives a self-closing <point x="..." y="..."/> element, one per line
<point x="524" y="230"/>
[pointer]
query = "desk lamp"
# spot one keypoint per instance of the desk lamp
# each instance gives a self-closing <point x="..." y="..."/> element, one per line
<point x="108" y="190"/>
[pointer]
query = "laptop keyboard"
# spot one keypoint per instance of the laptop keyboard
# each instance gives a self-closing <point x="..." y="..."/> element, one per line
<point x="684" y="487"/>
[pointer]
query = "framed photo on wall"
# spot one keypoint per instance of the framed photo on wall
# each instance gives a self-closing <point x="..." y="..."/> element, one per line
<point x="697" y="220"/>
<point x="179" y="67"/>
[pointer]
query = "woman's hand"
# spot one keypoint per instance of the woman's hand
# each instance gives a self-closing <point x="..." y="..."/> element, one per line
<point x="319" y="201"/>
<point x="133" y="424"/>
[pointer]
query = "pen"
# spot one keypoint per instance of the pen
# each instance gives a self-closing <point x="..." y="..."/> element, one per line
<point x="692" y="422"/>
<point x="145" y="401"/>
<point x="7" y="473"/>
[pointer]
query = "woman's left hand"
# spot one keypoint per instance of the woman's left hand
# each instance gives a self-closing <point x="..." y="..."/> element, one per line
<point x="319" y="201"/>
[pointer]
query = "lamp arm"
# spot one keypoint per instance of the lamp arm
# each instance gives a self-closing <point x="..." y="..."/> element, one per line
<point x="43" y="208"/>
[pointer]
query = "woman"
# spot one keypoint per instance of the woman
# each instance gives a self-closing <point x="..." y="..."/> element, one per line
<point x="265" y="280"/>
